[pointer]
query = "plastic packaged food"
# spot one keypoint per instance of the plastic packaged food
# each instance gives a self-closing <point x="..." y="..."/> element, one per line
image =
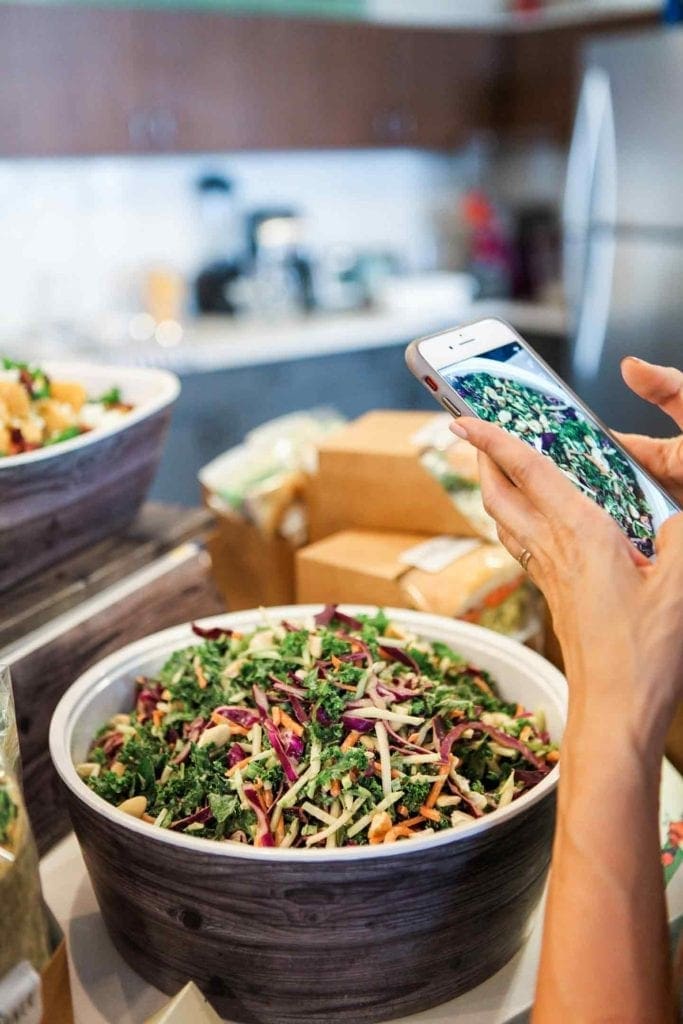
<point x="24" y="921"/>
<point x="263" y="481"/>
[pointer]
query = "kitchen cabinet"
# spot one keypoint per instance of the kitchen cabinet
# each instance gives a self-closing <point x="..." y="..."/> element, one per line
<point x="452" y="78"/>
<point x="68" y="80"/>
<point x="78" y="80"/>
<point x="89" y="81"/>
<point x="538" y="77"/>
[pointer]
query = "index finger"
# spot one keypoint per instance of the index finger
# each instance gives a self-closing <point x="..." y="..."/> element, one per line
<point x="536" y="476"/>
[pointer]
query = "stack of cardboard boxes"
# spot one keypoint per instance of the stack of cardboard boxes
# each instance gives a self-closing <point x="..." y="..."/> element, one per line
<point x="395" y="519"/>
<point x="392" y="516"/>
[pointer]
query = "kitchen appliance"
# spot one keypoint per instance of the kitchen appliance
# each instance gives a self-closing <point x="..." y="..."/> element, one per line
<point x="623" y="221"/>
<point x="282" y="274"/>
<point x="222" y="264"/>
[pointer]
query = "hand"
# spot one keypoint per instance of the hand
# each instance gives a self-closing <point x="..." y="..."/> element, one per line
<point x="618" y="617"/>
<point x="662" y="386"/>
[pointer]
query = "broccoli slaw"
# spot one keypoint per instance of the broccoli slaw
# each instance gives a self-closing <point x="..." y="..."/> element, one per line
<point x="337" y="731"/>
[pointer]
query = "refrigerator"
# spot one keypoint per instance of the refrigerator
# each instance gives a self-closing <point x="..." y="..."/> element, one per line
<point x="623" y="221"/>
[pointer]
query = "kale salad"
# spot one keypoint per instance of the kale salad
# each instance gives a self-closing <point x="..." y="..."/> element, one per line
<point x="334" y="732"/>
<point x="583" y="452"/>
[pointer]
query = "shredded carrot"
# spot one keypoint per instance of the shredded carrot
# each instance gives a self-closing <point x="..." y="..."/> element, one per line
<point x="218" y="719"/>
<point x="238" y="766"/>
<point x="553" y="757"/>
<point x="457" y="713"/>
<point x="413" y="737"/>
<point x="436" y="789"/>
<point x="417" y="820"/>
<point x="267" y="796"/>
<point x="336" y="662"/>
<point x="238" y="730"/>
<point x="280" y="831"/>
<point x="335" y="787"/>
<point x="350" y="740"/>
<point x="519" y="710"/>
<point x="148" y="818"/>
<point x="276" y="715"/>
<point x="483" y="685"/>
<point x="395" y="773"/>
<point x="398" y="830"/>
<point x="403" y="810"/>
<point x="202" y="681"/>
<point x="428" y="812"/>
<point x="290" y="724"/>
<point x="157" y="717"/>
<point x="345" y="686"/>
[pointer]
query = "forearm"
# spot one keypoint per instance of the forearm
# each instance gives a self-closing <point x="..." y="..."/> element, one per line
<point x="605" y="950"/>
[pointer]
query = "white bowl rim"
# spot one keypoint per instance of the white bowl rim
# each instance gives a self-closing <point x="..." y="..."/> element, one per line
<point x="102" y="674"/>
<point x="168" y="389"/>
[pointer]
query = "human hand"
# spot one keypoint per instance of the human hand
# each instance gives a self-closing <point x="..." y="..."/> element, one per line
<point x="617" y="616"/>
<point x="662" y="386"/>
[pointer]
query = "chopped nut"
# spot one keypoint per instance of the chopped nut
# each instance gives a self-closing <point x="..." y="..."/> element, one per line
<point x="218" y="736"/>
<point x="135" y="806"/>
<point x="379" y="826"/>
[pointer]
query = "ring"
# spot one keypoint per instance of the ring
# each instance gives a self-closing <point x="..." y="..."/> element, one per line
<point x="524" y="559"/>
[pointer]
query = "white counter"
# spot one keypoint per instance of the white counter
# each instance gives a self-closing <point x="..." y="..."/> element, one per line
<point x="221" y="343"/>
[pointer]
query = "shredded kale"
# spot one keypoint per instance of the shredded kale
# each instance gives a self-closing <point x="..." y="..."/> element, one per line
<point x="414" y="794"/>
<point x="8" y="814"/>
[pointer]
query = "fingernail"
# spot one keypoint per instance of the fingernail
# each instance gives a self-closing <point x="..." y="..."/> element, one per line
<point x="457" y="428"/>
<point x="634" y="359"/>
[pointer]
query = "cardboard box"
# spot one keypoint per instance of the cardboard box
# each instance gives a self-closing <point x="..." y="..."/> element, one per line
<point x="370" y="476"/>
<point x="249" y="568"/>
<point x="370" y="567"/>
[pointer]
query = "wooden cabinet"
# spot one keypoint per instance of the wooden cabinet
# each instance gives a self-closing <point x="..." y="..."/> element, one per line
<point x="451" y="89"/>
<point x="78" y="80"/>
<point x="68" y="80"/>
<point x="94" y="80"/>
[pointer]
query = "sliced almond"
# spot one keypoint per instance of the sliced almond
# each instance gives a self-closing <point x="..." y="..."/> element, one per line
<point x="134" y="805"/>
<point x="217" y="736"/>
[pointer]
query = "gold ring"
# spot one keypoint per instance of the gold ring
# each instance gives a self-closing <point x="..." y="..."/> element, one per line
<point x="524" y="559"/>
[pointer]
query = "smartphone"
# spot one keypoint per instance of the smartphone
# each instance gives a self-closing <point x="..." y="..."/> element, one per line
<point x="486" y="369"/>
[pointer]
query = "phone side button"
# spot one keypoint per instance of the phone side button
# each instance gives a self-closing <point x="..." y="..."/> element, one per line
<point x="449" y="407"/>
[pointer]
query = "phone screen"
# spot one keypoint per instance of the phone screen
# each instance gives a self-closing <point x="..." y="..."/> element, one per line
<point x="508" y="386"/>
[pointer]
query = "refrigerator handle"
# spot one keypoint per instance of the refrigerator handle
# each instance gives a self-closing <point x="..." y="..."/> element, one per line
<point x="593" y="110"/>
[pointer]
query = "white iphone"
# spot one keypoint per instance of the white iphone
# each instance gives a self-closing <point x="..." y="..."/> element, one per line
<point x="486" y="369"/>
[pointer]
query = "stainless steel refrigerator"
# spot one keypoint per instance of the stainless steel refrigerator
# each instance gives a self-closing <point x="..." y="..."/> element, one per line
<point x="623" y="220"/>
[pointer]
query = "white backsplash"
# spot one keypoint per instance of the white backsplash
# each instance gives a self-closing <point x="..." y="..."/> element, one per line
<point x="77" y="234"/>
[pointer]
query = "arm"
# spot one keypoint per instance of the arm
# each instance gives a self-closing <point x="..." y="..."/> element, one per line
<point x="618" y="618"/>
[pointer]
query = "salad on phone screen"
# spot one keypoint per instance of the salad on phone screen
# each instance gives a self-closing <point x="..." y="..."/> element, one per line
<point x="540" y="414"/>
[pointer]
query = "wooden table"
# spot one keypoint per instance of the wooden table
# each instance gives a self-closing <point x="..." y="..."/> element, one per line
<point x="54" y="626"/>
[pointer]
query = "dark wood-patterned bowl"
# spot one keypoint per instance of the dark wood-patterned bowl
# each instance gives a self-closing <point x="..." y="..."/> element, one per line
<point x="58" y="499"/>
<point x="333" y="936"/>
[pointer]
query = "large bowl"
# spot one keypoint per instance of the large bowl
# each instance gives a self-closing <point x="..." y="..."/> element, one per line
<point x="58" y="499"/>
<point x="285" y="936"/>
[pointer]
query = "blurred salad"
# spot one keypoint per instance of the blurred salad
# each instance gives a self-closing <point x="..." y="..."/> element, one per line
<point x="338" y="731"/>
<point x="583" y="452"/>
<point x="36" y="411"/>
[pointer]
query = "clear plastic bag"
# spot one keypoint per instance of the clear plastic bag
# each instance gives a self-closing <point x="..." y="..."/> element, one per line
<point x="24" y="934"/>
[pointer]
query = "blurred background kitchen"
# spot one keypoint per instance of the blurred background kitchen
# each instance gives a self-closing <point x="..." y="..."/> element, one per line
<point x="273" y="197"/>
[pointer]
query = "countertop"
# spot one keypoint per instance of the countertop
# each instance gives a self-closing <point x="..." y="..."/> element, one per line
<point x="219" y="342"/>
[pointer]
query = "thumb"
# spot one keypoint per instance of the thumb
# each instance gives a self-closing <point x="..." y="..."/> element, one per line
<point x="660" y="385"/>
